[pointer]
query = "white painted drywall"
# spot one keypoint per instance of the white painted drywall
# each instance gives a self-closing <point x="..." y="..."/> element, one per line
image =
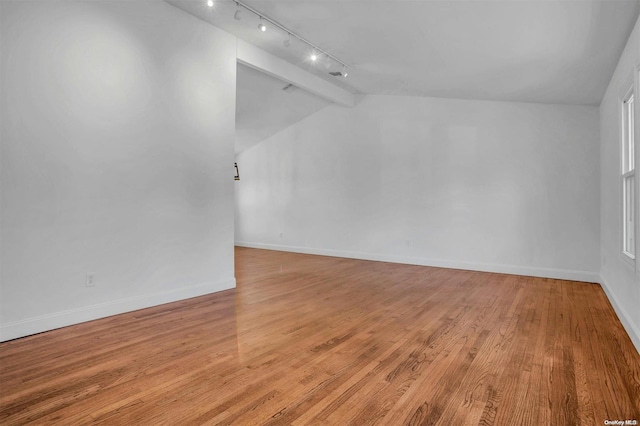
<point x="263" y="108"/>
<point x="619" y="278"/>
<point x="500" y="186"/>
<point x="117" y="159"/>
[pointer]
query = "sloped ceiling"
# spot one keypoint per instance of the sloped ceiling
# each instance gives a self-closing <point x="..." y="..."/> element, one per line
<point x="263" y="108"/>
<point x="548" y="51"/>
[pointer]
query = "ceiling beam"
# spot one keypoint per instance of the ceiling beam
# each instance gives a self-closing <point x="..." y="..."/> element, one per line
<point x="261" y="60"/>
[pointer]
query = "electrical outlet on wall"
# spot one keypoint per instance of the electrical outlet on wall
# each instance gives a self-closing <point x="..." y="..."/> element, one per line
<point x="90" y="280"/>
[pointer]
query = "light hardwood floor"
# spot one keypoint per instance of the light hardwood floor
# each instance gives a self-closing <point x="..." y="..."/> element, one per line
<point x="328" y="341"/>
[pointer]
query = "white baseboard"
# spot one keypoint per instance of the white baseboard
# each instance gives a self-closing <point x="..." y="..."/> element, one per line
<point x="623" y="316"/>
<point x="561" y="274"/>
<point x="26" y="327"/>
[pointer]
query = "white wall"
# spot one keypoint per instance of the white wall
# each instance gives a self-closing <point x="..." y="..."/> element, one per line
<point x="254" y="122"/>
<point x="494" y="186"/>
<point x="117" y="159"/>
<point x="619" y="279"/>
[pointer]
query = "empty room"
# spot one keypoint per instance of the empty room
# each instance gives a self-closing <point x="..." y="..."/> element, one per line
<point x="319" y="212"/>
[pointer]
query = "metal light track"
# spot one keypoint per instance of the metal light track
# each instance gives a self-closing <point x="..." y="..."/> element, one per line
<point x="288" y="31"/>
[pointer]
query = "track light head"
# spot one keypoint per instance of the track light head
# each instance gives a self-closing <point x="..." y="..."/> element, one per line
<point x="316" y="54"/>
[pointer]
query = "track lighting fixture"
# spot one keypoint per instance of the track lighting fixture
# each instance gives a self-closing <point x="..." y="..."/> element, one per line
<point x="344" y="71"/>
<point x="315" y="55"/>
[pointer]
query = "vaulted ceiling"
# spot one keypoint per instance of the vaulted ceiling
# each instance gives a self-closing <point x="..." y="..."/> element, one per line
<point x="549" y="51"/>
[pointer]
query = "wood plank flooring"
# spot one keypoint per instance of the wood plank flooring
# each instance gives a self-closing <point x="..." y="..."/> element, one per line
<point x="311" y="340"/>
